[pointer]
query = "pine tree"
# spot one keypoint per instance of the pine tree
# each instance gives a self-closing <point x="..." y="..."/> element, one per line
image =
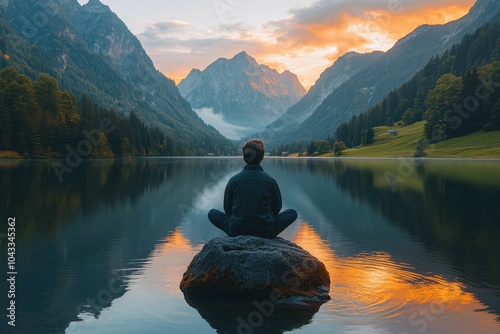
<point x="367" y="136"/>
<point x="311" y="149"/>
<point x="5" y="116"/>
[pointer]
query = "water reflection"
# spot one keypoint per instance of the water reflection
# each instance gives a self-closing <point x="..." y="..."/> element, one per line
<point x="373" y="285"/>
<point x="176" y="251"/>
<point x="260" y="317"/>
<point x="32" y="192"/>
<point x="451" y="207"/>
<point x="409" y="249"/>
<point x="81" y="242"/>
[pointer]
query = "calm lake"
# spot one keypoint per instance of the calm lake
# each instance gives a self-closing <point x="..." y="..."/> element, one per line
<point x="410" y="247"/>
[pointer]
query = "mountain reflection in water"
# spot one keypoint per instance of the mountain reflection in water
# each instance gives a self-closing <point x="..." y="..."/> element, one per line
<point x="409" y="250"/>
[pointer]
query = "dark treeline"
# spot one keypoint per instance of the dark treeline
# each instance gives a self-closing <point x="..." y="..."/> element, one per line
<point x="285" y="149"/>
<point x="39" y="120"/>
<point x="456" y="93"/>
<point x="314" y="148"/>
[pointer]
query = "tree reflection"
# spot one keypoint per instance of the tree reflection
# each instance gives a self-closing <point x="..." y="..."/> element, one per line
<point x="450" y="207"/>
<point x="79" y="241"/>
<point x="32" y="193"/>
<point x="374" y="285"/>
<point x="457" y="217"/>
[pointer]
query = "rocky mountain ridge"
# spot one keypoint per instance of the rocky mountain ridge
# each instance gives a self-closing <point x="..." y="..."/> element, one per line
<point x="91" y="51"/>
<point x="369" y="86"/>
<point x="241" y="91"/>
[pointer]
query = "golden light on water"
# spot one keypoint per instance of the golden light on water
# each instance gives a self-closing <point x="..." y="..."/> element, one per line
<point x="177" y="242"/>
<point x="373" y="285"/>
<point x="175" y="255"/>
<point x="366" y="288"/>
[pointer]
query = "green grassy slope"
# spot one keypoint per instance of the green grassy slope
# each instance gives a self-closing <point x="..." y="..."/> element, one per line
<point x="477" y="145"/>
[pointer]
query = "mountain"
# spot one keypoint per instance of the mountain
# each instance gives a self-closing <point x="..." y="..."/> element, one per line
<point x="242" y="92"/>
<point x="332" y="78"/>
<point x="370" y="85"/>
<point x="473" y="64"/>
<point x="91" y="51"/>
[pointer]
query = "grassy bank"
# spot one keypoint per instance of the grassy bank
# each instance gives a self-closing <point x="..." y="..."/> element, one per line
<point x="477" y="145"/>
<point x="9" y="155"/>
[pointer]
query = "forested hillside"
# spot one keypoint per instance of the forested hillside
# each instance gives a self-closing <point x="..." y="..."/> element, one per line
<point x="90" y="51"/>
<point x="457" y="93"/>
<point x="39" y="120"/>
<point x="393" y="68"/>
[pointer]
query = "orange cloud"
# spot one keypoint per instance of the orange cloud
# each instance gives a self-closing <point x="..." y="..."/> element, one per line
<point x="362" y="31"/>
<point x="307" y="42"/>
<point x="331" y="35"/>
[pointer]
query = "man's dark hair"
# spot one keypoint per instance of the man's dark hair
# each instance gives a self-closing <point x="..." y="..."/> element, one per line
<point x="253" y="151"/>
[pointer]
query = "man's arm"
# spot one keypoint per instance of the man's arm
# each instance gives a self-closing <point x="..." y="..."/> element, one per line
<point x="228" y="198"/>
<point x="276" y="203"/>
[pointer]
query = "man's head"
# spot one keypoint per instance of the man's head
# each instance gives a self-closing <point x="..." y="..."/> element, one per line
<point x="253" y="151"/>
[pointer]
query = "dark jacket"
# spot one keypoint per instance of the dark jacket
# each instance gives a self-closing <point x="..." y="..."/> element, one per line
<point x="252" y="198"/>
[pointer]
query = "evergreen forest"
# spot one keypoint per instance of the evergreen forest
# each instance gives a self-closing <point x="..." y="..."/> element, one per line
<point x="39" y="120"/>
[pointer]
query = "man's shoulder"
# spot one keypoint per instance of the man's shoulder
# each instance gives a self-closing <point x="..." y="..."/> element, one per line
<point x="264" y="176"/>
<point x="237" y="176"/>
<point x="251" y="174"/>
<point x="267" y="176"/>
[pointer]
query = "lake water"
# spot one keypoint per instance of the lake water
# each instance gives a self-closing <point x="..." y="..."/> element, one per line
<point x="410" y="248"/>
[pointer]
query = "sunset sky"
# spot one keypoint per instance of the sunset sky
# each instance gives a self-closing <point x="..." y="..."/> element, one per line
<point x="304" y="36"/>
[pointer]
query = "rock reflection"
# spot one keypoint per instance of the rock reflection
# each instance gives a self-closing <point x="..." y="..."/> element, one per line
<point x="259" y="316"/>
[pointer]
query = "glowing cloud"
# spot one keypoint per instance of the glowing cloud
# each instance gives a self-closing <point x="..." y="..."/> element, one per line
<point x="306" y="41"/>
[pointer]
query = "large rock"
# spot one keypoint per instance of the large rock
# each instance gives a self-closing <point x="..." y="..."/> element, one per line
<point x="252" y="268"/>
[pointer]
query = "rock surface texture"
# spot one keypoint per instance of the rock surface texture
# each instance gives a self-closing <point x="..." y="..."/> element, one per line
<point x="249" y="268"/>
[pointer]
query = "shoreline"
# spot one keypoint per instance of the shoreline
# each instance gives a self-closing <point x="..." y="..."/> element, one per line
<point x="395" y="158"/>
<point x="267" y="157"/>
